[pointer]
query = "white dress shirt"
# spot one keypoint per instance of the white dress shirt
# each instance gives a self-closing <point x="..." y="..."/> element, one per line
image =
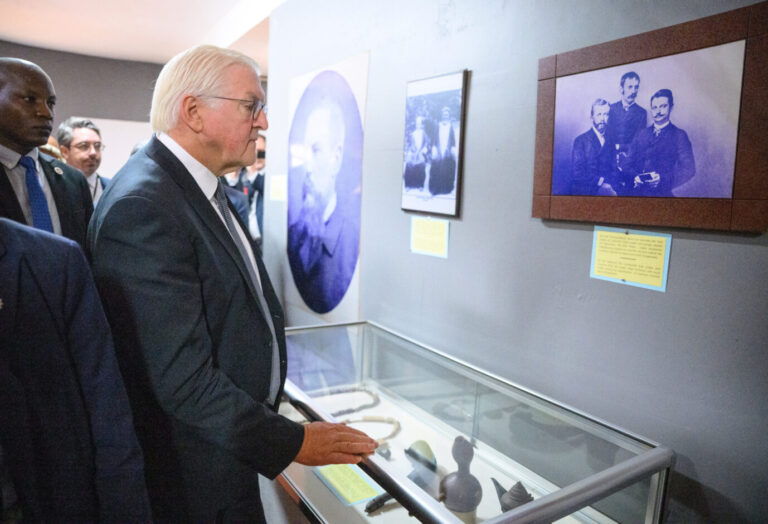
<point x="208" y="183"/>
<point x="94" y="186"/>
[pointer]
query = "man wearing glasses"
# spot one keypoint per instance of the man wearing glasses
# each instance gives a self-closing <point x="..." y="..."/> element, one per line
<point x="197" y="325"/>
<point x="35" y="189"/>
<point x="80" y="144"/>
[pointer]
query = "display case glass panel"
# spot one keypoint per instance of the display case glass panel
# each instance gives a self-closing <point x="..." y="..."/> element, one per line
<point x="528" y="453"/>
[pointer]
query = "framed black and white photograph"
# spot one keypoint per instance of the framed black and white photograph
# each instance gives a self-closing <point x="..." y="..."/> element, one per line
<point x="665" y="127"/>
<point x="433" y="144"/>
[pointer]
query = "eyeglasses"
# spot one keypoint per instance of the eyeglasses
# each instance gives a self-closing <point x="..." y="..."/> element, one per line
<point x="253" y="107"/>
<point x="86" y="146"/>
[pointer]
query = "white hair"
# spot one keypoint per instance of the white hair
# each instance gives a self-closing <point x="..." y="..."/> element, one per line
<point x="197" y="71"/>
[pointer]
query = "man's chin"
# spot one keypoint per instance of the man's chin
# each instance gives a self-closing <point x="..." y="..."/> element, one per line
<point x="248" y="158"/>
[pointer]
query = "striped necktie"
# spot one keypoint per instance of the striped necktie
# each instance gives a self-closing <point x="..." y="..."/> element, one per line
<point x="221" y="202"/>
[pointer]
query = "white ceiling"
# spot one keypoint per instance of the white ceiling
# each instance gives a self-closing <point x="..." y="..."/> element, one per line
<point x="143" y="30"/>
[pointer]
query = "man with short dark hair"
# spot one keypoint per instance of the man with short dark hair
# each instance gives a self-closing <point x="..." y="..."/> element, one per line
<point x="80" y="144"/>
<point x="35" y="189"/>
<point x="591" y="156"/>
<point x="660" y="158"/>
<point x="625" y="119"/>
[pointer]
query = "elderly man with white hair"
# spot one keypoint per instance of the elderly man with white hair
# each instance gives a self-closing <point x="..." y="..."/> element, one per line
<point x="198" y="328"/>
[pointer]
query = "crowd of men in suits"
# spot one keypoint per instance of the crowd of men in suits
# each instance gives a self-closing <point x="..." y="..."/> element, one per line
<point x="142" y="350"/>
<point x="621" y="155"/>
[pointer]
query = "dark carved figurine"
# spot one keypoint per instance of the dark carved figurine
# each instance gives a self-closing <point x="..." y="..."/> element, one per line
<point x="516" y="496"/>
<point x="460" y="490"/>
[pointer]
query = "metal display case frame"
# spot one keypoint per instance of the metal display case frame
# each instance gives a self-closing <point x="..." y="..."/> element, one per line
<point x="599" y="470"/>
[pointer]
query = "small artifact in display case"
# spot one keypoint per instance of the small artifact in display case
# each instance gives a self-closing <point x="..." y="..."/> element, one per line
<point x="405" y="394"/>
<point x="461" y="491"/>
<point x="516" y="496"/>
<point x="423" y="475"/>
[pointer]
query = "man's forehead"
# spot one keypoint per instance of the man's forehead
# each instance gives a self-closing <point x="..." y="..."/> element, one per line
<point x="18" y="72"/>
<point x="245" y="78"/>
<point x="84" y="132"/>
<point x="319" y="119"/>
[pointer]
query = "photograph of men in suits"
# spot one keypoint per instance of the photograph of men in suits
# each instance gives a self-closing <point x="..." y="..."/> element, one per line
<point x="591" y="155"/>
<point x="68" y="450"/>
<point x="707" y="84"/>
<point x="625" y="121"/>
<point x="660" y="158"/>
<point x="198" y="327"/>
<point x="323" y="242"/>
<point x="35" y="189"/>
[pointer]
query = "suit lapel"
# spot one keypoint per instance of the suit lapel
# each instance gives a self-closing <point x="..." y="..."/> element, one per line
<point x="9" y="204"/>
<point x="196" y="199"/>
<point x="63" y="208"/>
<point x="8" y="286"/>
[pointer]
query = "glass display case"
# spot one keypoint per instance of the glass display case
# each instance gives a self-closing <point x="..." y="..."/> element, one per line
<point x="459" y="444"/>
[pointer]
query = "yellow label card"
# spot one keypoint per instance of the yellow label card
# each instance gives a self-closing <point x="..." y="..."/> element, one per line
<point x="350" y="484"/>
<point x="630" y="257"/>
<point x="429" y="236"/>
<point x="278" y="188"/>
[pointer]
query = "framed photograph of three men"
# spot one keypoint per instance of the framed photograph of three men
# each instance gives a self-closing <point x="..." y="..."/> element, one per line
<point x="665" y="128"/>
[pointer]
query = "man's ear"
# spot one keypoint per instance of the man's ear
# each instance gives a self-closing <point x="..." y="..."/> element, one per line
<point x="64" y="152"/>
<point x="189" y="113"/>
<point x="338" y="155"/>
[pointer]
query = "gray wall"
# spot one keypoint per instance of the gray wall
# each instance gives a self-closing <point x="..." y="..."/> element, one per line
<point x="686" y="368"/>
<point x="92" y="86"/>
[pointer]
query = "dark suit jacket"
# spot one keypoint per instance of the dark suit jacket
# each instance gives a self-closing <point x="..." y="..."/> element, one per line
<point x="65" y="422"/>
<point x="255" y="188"/>
<point x="624" y="125"/>
<point x="669" y="154"/>
<point x="239" y="200"/>
<point x="323" y="278"/>
<point x="70" y="192"/>
<point x="191" y="341"/>
<point x="589" y="162"/>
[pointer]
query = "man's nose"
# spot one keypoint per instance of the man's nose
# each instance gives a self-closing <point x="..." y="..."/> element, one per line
<point x="45" y="111"/>
<point x="261" y="122"/>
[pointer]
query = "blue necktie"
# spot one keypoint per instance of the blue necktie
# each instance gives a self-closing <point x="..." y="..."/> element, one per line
<point x="41" y="217"/>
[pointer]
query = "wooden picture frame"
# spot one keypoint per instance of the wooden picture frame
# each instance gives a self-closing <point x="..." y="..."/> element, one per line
<point x="747" y="207"/>
<point x="433" y="144"/>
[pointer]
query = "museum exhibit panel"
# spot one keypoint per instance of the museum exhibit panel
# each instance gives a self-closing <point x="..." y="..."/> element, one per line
<point x="457" y="444"/>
